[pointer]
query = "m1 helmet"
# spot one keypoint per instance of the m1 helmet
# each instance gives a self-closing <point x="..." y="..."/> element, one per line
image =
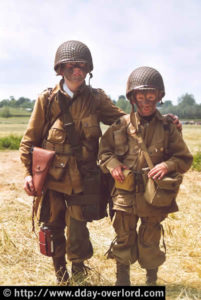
<point x="145" y="78"/>
<point x="73" y="51"/>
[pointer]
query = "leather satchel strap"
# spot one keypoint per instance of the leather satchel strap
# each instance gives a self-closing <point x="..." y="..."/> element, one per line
<point x="141" y="141"/>
<point x="144" y="150"/>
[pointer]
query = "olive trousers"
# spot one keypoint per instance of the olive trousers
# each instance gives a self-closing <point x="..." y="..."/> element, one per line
<point x="137" y="244"/>
<point x="75" y="241"/>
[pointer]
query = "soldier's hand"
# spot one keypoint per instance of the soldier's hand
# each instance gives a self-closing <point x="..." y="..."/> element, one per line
<point x="175" y="120"/>
<point x="28" y="186"/>
<point x="158" y="171"/>
<point x="118" y="174"/>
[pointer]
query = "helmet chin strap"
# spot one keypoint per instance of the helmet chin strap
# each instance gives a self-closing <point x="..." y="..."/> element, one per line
<point x="90" y="76"/>
<point x="133" y="103"/>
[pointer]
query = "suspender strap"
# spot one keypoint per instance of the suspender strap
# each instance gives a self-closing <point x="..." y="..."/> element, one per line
<point x="69" y="126"/>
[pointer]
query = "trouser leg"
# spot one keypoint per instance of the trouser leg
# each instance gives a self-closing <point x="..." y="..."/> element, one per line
<point x="78" y="246"/>
<point x="150" y="254"/>
<point x="56" y="222"/>
<point x="124" y="249"/>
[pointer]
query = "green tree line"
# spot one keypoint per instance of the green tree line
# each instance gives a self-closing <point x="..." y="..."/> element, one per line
<point x="12" y="107"/>
<point x="21" y="102"/>
<point x="186" y="108"/>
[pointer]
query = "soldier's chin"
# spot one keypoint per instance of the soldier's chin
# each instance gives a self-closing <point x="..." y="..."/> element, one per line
<point x="77" y="78"/>
<point x="146" y="112"/>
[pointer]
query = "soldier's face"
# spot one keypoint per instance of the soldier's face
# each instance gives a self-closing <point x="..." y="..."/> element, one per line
<point x="74" y="71"/>
<point x="146" y="102"/>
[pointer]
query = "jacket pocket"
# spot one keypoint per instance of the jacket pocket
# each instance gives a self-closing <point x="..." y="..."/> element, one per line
<point x="156" y="152"/>
<point x="57" y="134"/>
<point x="121" y="142"/>
<point x="91" y="127"/>
<point x="58" y="167"/>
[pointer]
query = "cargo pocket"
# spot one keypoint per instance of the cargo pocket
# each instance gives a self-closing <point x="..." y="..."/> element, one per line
<point x="91" y="127"/>
<point x="57" y="134"/>
<point x="121" y="142"/>
<point x="58" y="166"/>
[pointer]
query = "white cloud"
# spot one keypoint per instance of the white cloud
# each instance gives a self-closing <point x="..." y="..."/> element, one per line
<point x="121" y="34"/>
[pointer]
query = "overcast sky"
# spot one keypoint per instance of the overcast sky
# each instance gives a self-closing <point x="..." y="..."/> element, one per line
<point x="121" y="34"/>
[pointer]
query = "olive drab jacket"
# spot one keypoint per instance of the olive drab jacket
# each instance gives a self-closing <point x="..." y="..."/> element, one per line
<point x="119" y="146"/>
<point x="89" y="108"/>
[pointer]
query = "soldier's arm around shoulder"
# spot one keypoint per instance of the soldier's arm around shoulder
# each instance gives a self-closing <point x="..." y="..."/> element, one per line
<point x="107" y="158"/>
<point x="108" y="111"/>
<point x="33" y="133"/>
<point x="180" y="156"/>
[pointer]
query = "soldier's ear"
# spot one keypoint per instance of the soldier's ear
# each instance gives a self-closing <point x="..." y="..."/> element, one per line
<point x="132" y="98"/>
<point x="59" y="70"/>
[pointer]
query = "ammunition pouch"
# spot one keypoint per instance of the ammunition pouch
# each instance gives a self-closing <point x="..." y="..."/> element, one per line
<point x="94" y="198"/>
<point x="134" y="181"/>
<point x="161" y="193"/>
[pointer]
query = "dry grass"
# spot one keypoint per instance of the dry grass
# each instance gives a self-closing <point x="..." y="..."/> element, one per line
<point x="22" y="264"/>
<point x="192" y="134"/>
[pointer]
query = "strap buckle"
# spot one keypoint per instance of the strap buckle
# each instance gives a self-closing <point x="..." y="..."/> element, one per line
<point x="68" y="124"/>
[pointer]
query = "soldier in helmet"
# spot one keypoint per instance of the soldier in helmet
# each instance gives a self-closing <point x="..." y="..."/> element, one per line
<point x="76" y="150"/>
<point x="122" y="154"/>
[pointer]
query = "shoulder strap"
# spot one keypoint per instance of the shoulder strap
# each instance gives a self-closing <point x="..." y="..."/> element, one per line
<point x="69" y="126"/>
<point x="48" y="103"/>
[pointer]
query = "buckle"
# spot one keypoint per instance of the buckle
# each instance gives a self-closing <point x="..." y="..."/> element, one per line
<point x="68" y="124"/>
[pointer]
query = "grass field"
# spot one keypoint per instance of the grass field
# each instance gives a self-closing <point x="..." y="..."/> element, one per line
<point x="22" y="264"/>
<point x="192" y="136"/>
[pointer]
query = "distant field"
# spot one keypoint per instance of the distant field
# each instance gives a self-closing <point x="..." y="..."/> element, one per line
<point x="16" y="111"/>
<point x="17" y="126"/>
<point x="13" y="125"/>
<point x="14" y="120"/>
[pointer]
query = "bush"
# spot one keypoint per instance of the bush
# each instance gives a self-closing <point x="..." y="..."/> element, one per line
<point x="5" y="113"/>
<point x="197" y="162"/>
<point x="10" y="142"/>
